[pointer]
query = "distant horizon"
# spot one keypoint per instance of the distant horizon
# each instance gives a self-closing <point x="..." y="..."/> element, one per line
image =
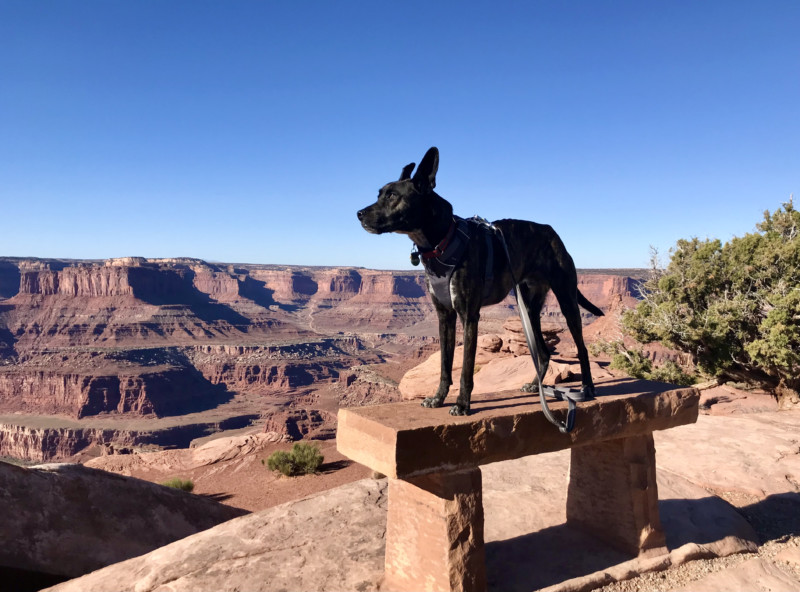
<point x="246" y="263"/>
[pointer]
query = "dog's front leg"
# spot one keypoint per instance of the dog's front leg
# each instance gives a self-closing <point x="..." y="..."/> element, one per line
<point x="447" y="343"/>
<point x="468" y="368"/>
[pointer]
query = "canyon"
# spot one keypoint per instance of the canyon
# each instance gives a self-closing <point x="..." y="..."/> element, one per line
<point x="136" y="354"/>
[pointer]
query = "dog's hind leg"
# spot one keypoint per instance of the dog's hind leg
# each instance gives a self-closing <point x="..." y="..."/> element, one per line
<point x="447" y="343"/>
<point x="534" y="295"/>
<point x="568" y="301"/>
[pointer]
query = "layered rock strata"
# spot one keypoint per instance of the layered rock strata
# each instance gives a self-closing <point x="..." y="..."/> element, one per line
<point x="48" y="439"/>
<point x="135" y="337"/>
<point x="160" y="392"/>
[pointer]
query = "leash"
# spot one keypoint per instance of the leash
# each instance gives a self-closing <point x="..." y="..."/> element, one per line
<point x="572" y="396"/>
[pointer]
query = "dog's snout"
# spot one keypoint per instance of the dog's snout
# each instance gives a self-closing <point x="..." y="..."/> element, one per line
<point x="360" y="214"/>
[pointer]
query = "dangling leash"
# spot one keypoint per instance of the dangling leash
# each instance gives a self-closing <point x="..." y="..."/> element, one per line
<point x="572" y="396"/>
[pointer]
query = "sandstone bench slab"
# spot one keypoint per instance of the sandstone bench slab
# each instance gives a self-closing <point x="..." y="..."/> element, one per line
<point x="404" y="440"/>
<point x="434" y="532"/>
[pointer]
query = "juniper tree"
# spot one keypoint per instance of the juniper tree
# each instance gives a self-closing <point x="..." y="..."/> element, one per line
<point x="734" y="307"/>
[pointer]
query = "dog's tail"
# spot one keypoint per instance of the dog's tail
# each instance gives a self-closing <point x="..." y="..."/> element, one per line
<point x="582" y="300"/>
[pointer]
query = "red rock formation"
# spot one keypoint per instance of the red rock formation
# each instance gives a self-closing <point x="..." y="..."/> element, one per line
<point x="73" y="334"/>
<point x="600" y="289"/>
<point x="46" y="439"/>
<point x="163" y="391"/>
<point x="296" y="424"/>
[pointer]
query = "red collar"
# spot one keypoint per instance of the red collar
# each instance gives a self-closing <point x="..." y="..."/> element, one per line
<point x="439" y="249"/>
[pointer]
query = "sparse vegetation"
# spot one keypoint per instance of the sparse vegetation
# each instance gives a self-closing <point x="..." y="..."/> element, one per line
<point x="281" y="461"/>
<point x="182" y="484"/>
<point x="304" y="459"/>
<point x="636" y="365"/>
<point x="734" y="307"/>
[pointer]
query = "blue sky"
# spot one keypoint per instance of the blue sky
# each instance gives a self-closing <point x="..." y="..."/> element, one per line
<point x="244" y="131"/>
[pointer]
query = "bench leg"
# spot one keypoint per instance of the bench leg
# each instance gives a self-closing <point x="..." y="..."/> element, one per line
<point x="434" y="533"/>
<point x="613" y="495"/>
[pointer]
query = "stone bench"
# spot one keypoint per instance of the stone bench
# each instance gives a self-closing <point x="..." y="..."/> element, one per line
<point x="434" y="532"/>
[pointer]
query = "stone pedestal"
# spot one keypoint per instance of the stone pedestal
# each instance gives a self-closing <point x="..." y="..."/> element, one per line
<point x="434" y="533"/>
<point x="613" y="495"/>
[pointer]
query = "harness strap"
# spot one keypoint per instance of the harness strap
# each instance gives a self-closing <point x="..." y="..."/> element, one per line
<point x="439" y="249"/>
<point x="559" y="393"/>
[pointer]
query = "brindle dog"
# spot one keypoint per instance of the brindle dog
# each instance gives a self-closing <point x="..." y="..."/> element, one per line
<point x="539" y="262"/>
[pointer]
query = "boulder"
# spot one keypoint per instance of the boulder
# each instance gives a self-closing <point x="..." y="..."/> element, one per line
<point x="332" y="541"/>
<point x="68" y="520"/>
<point x="230" y="448"/>
<point x="494" y="372"/>
<point x="490" y="343"/>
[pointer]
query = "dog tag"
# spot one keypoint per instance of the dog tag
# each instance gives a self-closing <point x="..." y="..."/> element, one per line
<point x="414" y="258"/>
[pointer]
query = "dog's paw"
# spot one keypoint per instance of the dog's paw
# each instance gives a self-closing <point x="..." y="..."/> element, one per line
<point x="459" y="410"/>
<point x="432" y="402"/>
<point x="530" y="387"/>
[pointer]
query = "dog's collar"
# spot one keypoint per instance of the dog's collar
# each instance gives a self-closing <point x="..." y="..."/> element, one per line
<point x="439" y="249"/>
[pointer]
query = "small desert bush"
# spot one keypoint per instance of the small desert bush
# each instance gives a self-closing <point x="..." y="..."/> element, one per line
<point x="307" y="457"/>
<point x="281" y="461"/>
<point x="304" y="459"/>
<point x="183" y="484"/>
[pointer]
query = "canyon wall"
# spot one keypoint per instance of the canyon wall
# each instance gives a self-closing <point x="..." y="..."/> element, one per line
<point x="33" y="390"/>
<point x="141" y="338"/>
<point x="45" y="443"/>
<point x="279" y="368"/>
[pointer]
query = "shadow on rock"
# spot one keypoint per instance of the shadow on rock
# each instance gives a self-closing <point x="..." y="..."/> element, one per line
<point x="561" y="553"/>
<point x="217" y="497"/>
<point x="332" y="467"/>
<point x="709" y="521"/>
<point x="258" y="292"/>
<point x="175" y="287"/>
<point x="547" y="557"/>
<point x="775" y="517"/>
<point x="23" y="580"/>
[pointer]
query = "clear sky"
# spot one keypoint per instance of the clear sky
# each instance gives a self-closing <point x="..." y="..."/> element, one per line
<point x="252" y="131"/>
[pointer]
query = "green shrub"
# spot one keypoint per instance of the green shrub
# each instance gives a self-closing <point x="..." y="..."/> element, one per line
<point x="282" y="462"/>
<point x="307" y="458"/>
<point x="304" y="459"/>
<point x="183" y="484"/>
<point x="632" y="362"/>
<point x="670" y="372"/>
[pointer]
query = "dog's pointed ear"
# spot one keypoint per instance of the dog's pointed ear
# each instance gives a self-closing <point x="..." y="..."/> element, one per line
<point x="406" y="174"/>
<point x="425" y="177"/>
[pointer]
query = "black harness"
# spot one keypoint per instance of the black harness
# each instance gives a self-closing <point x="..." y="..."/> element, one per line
<point x="440" y="262"/>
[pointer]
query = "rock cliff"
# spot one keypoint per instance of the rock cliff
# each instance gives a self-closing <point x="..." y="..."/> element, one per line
<point x="163" y="391"/>
<point x="44" y="439"/>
